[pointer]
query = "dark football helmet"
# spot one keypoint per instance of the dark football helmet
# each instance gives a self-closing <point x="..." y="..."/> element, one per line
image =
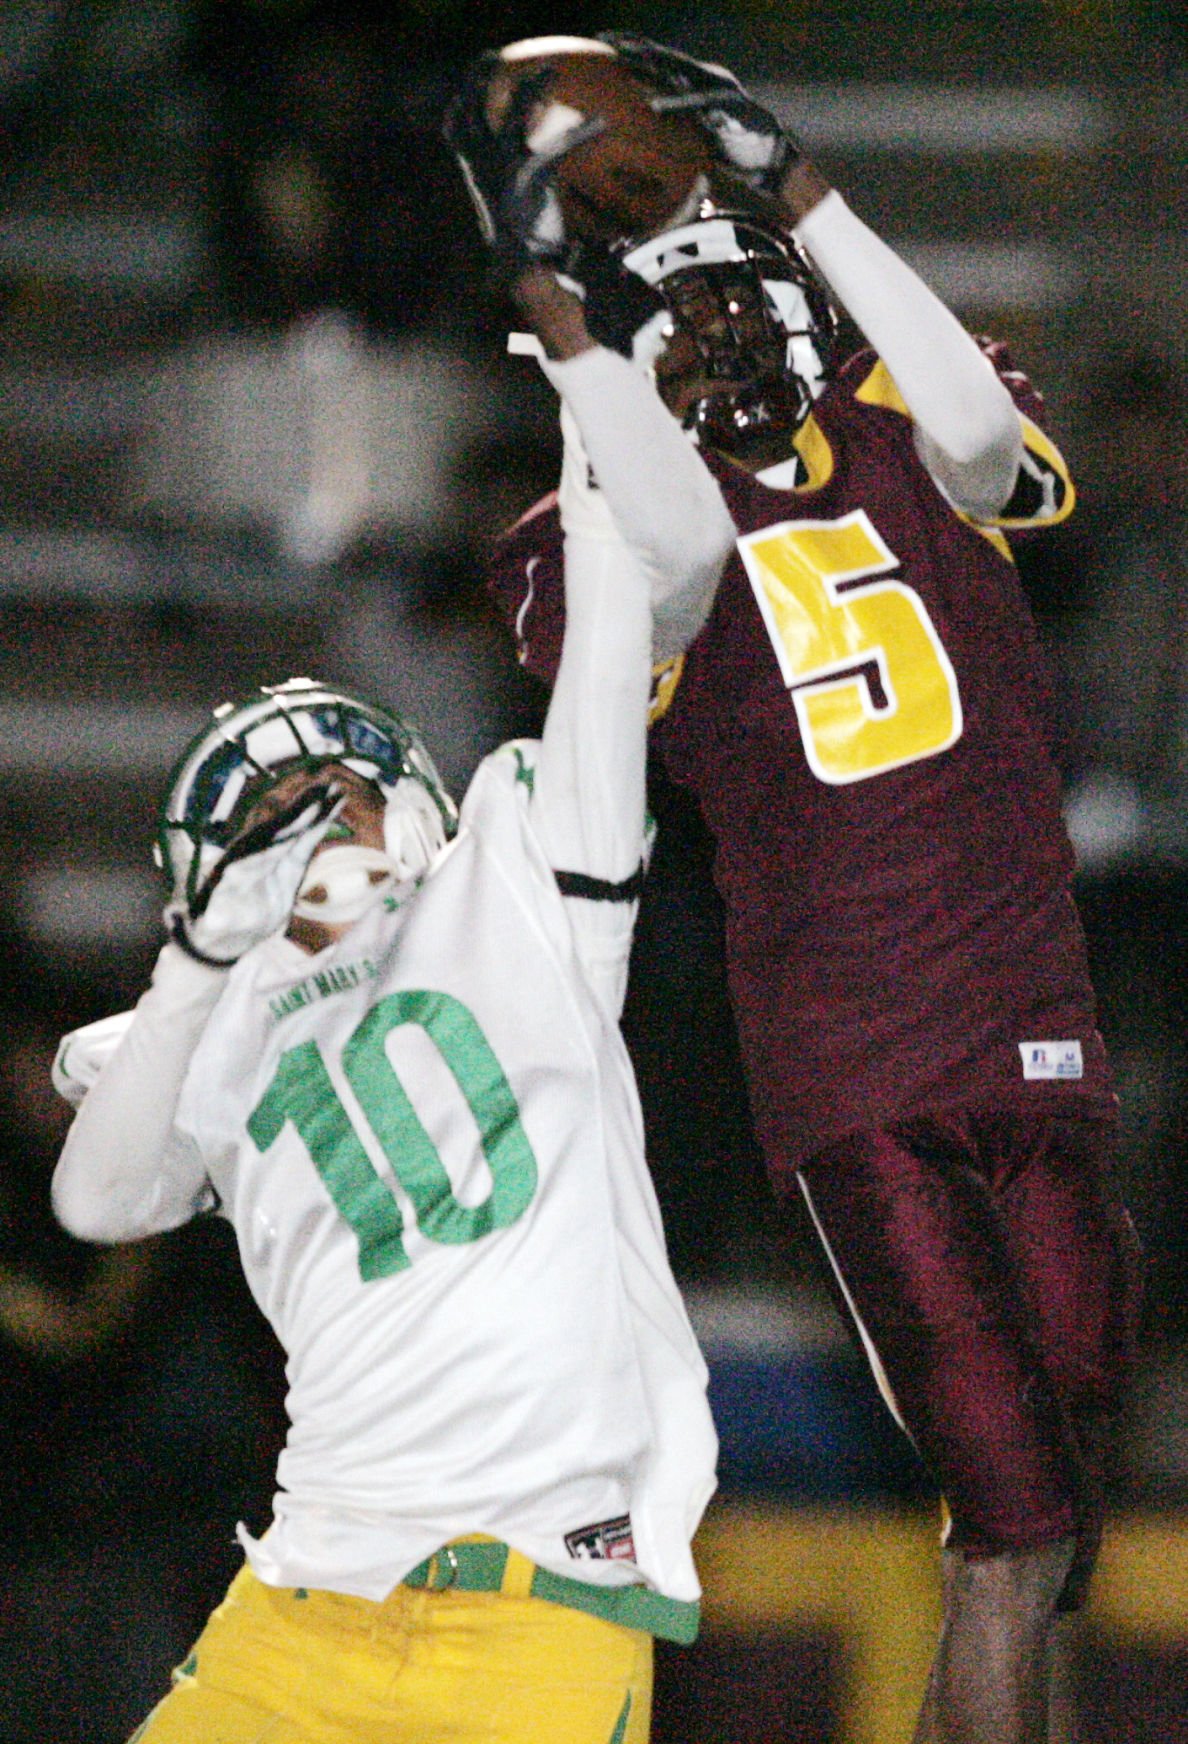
<point x="247" y="749"/>
<point x="753" y="333"/>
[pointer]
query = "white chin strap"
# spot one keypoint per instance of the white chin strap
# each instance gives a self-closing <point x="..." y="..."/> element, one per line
<point x="343" y="881"/>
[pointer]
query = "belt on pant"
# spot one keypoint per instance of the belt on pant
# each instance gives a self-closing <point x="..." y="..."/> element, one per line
<point x="487" y="1566"/>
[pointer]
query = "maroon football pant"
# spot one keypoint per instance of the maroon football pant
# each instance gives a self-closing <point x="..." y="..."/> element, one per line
<point x="994" y="1276"/>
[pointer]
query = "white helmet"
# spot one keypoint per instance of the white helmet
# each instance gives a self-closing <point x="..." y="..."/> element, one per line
<point x="760" y="319"/>
<point x="250" y="746"/>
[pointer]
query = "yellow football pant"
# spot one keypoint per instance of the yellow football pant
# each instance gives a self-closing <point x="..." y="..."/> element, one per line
<point x="275" y="1665"/>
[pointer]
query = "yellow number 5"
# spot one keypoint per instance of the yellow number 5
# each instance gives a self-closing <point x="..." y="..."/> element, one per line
<point x="870" y="681"/>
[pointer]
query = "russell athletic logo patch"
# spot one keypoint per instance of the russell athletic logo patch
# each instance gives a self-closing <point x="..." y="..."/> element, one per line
<point x="609" y="1541"/>
<point x="1052" y="1059"/>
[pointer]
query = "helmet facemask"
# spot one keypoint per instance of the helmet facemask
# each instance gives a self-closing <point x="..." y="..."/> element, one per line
<point x="300" y="725"/>
<point x="751" y="338"/>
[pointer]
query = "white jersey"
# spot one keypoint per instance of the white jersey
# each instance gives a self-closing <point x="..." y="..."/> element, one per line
<point x="429" y="1142"/>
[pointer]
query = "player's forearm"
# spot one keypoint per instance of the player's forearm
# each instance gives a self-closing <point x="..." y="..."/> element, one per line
<point x="970" y="436"/>
<point x="589" y="799"/>
<point x="556" y="315"/>
<point x="121" y="1173"/>
<point x="659" y="498"/>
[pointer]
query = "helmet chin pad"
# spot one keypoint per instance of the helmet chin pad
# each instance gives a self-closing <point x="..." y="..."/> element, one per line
<point x="340" y="885"/>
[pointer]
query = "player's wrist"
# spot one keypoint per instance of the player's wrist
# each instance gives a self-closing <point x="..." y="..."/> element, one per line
<point x="181" y="935"/>
<point x="556" y="314"/>
<point x="802" y="188"/>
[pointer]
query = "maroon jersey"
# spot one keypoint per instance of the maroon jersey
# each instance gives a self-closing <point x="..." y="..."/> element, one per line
<point x="864" y="721"/>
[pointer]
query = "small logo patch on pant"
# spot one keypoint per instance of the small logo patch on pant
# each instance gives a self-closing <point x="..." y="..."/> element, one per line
<point x="1052" y="1059"/>
<point x="608" y="1541"/>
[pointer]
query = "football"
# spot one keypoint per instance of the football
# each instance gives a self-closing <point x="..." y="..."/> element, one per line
<point x="637" y="176"/>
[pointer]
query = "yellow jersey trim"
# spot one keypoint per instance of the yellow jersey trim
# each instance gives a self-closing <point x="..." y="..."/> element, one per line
<point x="878" y="389"/>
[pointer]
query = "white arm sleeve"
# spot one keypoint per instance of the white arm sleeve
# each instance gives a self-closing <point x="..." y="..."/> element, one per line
<point x="653" y="493"/>
<point x="125" y="1171"/>
<point x="589" y="799"/>
<point x="968" y="433"/>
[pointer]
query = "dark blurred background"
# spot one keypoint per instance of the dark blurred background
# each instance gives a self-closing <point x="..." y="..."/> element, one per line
<point x="257" y="419"/>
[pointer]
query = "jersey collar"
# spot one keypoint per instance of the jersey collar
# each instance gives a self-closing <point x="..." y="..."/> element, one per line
<point x="809" y="468"/>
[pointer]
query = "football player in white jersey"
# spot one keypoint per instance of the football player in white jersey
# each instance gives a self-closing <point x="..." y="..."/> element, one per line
<point x="382" y="1040"/>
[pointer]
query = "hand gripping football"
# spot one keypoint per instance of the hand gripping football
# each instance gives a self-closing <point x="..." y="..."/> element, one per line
<point x="640" y="174"/>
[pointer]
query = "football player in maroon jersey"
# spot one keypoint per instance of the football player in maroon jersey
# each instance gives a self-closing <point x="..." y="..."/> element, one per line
<point x="862" y="720"/>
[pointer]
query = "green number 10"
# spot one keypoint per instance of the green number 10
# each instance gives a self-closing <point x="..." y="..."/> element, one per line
<point x="302" y="1092"/>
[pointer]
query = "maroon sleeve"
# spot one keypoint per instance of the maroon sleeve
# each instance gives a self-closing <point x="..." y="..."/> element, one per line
<point x="1022" y="390"/>
<point x="1043" y="494"/>
<point x="526" y="580"/>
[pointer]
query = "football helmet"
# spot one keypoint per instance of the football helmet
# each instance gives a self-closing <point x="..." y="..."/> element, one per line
<point x="753" y="332"/>
<point x="250" y="746"/>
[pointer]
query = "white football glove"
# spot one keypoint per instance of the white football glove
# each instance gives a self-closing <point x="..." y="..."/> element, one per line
<point x="250" y="894"/>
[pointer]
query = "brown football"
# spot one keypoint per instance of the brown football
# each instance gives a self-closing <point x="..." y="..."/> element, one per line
<point x="634" y="178"/>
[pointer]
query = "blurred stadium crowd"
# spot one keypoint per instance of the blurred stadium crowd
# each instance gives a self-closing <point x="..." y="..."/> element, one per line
<point x="256" y="418"/>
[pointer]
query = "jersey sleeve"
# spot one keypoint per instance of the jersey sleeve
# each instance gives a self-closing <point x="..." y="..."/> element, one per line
<point x="1043" y="493"/>
<point x="82" y="1054"/>
<point x="127" y="1168"/>
<point x="526" y="581"/>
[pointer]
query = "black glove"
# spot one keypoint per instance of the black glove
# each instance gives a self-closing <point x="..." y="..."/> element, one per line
<point x="619" y="305"/>
<point x="468" y="135"/>
<point x="512" y="187"/>
<point x="745" y="137"/>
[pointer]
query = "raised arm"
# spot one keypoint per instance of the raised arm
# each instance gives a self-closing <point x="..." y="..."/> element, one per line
<point x="647" y="540"/>
<point x="967" y="430"/>
<point x="589" y="799"/>
<point x="629" y="476"/>
<point x="968" y="433"/>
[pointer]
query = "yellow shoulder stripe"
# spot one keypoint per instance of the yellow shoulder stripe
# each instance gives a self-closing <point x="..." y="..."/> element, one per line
<point x="815" y="452"/>
<point x="1044" y="461"/>
<point x="879" y="389"/>
<point x="665" y="679"/>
